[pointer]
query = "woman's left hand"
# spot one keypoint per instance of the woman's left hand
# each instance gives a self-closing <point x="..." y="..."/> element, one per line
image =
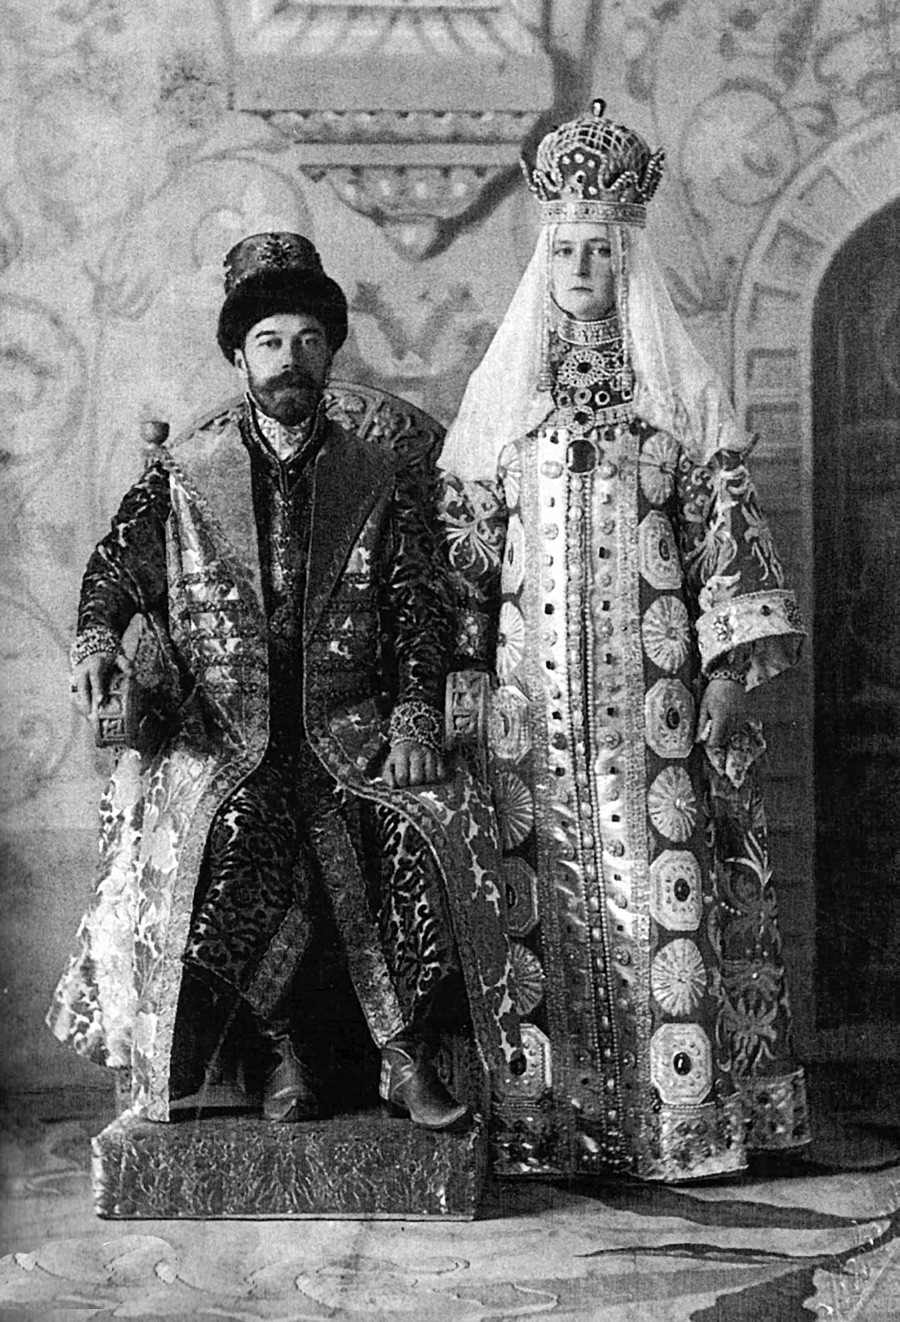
<point x="724" y="710"/>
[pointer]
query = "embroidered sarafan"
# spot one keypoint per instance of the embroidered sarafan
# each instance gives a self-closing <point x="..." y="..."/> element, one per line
<point x="638" y="885"/>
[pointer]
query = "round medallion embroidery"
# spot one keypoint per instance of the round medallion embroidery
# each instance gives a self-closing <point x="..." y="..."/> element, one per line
<point x="510" y="640"/>
<point x="672" y="804"/>
<point x="669" y="718"/>
<point x="658" y="552"/>
<point x="665" y="632"/>
<point x="537" y="1076"/>
<point x="509" y="470"/>
<point x="678" y="977"/>
<point x="514" y="556"/>
<point x="676" y="901"/>
<point x="528" y="978"/>
<point x="515" y="808"/>
<point x="681" y="1063"/>
<point x="509" y="725"/>
<point x="658" y="462"/>
<point x="520" y="883"/>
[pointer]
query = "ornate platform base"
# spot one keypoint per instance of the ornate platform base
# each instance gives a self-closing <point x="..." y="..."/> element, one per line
<point x="361" y="1166"/>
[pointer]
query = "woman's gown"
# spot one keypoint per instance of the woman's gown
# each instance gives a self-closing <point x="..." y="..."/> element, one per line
<point x="608" y="570"/>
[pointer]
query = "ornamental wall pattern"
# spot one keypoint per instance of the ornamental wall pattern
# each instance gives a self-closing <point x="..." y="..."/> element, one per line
<point x="144" y="139"/>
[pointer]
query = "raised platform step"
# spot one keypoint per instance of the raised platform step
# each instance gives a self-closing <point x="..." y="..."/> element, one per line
<point x="361" y="1166"/>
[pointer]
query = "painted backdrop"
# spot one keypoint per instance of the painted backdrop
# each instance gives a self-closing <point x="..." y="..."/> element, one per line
<point x="141" y="140"/>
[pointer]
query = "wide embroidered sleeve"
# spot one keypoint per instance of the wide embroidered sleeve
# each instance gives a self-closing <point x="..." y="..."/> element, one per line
<point x="474" y="517"/>
<point x="127" y="571"/>
<point x="732" y="571"/>
<point x="415" y="606"/>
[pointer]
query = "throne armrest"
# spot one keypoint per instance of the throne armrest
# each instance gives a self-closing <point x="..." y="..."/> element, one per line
<point x="145" y="698"/>
<point x="467" y="715"/>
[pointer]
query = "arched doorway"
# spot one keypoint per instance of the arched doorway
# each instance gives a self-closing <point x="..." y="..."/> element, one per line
<point x="856" y="541"/>
<point x="850" y="184"/>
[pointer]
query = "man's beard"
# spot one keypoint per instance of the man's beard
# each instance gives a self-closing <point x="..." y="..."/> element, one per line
<point x="291" y="397"/>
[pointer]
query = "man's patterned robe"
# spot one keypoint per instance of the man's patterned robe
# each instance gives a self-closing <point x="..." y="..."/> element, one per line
<point x="367" y="635"/>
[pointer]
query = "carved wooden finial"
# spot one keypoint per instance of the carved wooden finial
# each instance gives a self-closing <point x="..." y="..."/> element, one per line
<point x="154" y="431"/>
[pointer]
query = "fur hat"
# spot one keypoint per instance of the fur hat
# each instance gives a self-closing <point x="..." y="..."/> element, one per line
<point x="267" y="274"/>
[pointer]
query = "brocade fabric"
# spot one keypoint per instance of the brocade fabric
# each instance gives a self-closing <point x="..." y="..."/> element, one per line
<point x="303" y="604"/>
<point x="600" y="575"/>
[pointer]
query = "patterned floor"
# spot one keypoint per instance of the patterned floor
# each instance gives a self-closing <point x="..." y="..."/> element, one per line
<point x="818" y="1237"/>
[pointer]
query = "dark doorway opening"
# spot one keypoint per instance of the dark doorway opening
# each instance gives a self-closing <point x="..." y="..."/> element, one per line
<point x="856" y="502"/>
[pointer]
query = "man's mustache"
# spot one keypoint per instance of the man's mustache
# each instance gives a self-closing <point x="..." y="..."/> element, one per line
<point x="294" y="378"/>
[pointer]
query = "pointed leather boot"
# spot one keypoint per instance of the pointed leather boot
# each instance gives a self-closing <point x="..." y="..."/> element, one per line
<point x="290" y="1094"/>
<point x="410" y="1084"/>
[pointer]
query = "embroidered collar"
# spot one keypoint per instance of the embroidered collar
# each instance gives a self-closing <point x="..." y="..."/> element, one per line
<point x="593" y="333"/>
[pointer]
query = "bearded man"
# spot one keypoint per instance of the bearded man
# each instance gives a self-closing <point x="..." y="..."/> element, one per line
<point x="290" y="574"/>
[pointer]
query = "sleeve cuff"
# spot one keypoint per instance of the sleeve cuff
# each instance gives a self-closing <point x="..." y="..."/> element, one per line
<point x="96" y="638"/>
<point x="770" y="622"/>
<point x="417" y="721"/>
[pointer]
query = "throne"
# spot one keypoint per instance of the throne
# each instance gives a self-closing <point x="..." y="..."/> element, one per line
<point x="224" y="1161"/>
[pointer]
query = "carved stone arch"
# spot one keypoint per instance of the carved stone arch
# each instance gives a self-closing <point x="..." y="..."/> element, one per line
<point x="837" y="191"/>
<point x="829" y="199"/>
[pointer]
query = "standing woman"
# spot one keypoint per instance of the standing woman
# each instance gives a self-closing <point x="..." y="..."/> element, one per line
<point x="608" y="538"/>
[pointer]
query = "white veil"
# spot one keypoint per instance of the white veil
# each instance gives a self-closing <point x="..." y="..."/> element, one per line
<point x="674" y="388"/>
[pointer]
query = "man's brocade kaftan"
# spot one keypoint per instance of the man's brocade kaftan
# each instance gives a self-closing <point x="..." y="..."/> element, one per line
<point x="646" y="950"/>
<point x="295" y="628"/>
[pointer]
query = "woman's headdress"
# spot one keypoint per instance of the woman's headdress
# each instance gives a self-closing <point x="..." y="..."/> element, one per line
<point x="591" y="170"/>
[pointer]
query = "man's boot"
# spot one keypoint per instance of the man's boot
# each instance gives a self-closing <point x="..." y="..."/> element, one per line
<point x="410" y="1084"/>
<point x="291" y="1092"/>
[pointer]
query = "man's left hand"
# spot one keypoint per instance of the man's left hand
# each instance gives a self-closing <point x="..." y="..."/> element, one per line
<point x="410" y="763"/>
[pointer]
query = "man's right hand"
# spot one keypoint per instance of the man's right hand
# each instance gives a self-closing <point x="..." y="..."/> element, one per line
<point x="90" y="682"/>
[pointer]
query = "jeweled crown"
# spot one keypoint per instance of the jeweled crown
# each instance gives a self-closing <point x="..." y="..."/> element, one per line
<point x="592" y="169"/>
